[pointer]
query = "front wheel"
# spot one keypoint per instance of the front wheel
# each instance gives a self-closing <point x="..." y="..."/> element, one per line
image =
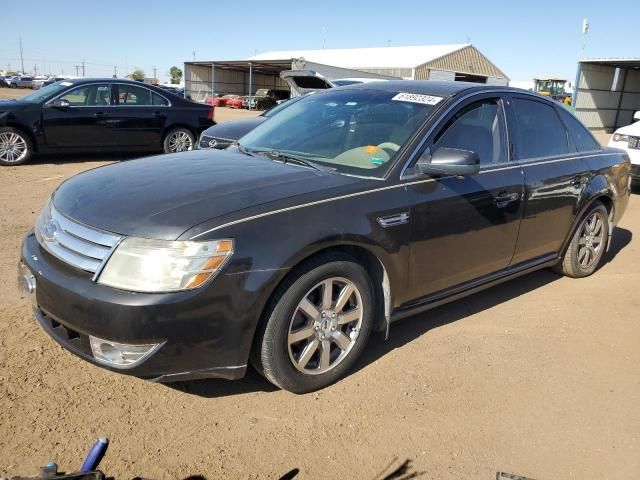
<point x="179" y="139"/>
<point x="588" y="244"/>
<point x="15" y="147"/>
<point x="318" y="327"/>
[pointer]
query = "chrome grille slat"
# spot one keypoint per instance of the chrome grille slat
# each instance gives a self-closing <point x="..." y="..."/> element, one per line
<point x="78" y="245"/>
<point x="80" y="231"/>
<point x="87" y="249"/>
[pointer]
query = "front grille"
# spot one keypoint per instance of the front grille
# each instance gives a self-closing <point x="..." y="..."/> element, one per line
<point x="83" y="247"/>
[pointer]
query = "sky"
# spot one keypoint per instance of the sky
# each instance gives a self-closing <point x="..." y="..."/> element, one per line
<point x="524" y="39"/>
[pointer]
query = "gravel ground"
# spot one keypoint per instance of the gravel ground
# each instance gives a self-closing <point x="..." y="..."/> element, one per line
<point x="538" y="377"/>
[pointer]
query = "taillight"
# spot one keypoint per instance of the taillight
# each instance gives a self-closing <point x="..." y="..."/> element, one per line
<point x="212" y="112"/>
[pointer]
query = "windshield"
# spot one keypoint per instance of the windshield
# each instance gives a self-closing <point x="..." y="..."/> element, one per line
<point x="357" y="132"/>
<point x="44" y="93"/>
<point x="261" y="93"/>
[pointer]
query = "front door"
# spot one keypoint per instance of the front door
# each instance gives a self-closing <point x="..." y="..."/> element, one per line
<point x="463" y="228"/>
<point x="86" y="122"/>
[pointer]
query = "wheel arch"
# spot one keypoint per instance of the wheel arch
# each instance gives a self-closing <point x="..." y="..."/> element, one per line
<point x="173" y="126"/>
<point x="24" y="130"/>
<point x="598" y="190"/>
<point x="375" y="267"/>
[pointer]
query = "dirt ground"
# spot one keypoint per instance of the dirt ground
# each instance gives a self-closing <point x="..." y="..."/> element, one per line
<point x="538" y="377"/>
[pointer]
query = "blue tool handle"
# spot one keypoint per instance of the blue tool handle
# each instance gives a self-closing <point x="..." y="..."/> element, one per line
<point x="95" y="455"/>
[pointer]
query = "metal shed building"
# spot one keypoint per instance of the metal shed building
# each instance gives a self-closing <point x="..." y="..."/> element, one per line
<point x="460" y="62"/>
<point x="607" y="92"/>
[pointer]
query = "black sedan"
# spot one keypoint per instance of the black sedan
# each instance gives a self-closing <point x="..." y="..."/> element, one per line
<point x="225" y="134"/>
<point x="98" y="115"/>
<point x="349" y="210"/>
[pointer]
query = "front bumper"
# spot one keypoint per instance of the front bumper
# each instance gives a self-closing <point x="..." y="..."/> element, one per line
<point x="204" y="332"/>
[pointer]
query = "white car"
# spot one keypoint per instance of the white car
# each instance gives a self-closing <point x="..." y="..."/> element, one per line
<point x="628" y="139"/>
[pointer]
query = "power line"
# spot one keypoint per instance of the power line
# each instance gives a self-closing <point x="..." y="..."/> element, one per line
<point x="21" y="57"/>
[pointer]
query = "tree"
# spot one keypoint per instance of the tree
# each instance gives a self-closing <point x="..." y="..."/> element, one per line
<point x="138" y="75"/>
<point x="176" y="75"/>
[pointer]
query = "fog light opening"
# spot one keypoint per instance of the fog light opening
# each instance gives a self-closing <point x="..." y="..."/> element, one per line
<point x="121" y="355"/>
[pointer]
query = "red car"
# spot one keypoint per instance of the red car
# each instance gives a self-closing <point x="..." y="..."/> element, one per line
<point x="234" y="101"/>
<point x="218" y="101"/>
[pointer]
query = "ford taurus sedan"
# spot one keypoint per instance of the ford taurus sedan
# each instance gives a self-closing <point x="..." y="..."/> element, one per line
<point x="348" y="210"/>
<point x="98" y="115"/>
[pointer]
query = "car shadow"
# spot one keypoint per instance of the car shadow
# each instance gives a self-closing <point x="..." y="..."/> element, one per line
<point x="409" y="329"/>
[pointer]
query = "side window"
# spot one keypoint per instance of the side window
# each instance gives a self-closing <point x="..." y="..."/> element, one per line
<point x="581" y="137"/>
<point x="478" y="127"/>
<point x="133" y="95"/>
<point x="540" y="132"/>
<point x="158" y="100"/>
<point x="88" y="96"/>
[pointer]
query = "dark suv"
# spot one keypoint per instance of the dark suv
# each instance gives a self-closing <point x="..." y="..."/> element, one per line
<point x="266" y="98"/>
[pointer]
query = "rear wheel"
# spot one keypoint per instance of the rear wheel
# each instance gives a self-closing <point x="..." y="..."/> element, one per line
<point x="588" y="244"/>
<point x="179" y="139"/>
<point x="319" y="326"/>
<point x="15" y="147"/>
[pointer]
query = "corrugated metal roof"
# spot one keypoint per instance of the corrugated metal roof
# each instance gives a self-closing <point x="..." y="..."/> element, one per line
<point x="383" y="57"/>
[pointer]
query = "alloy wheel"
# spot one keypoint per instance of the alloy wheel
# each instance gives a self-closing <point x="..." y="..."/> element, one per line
<point x="13" y="147"/>
<point x="325" y="326"/>
<point x="591" y="240"/>
<point x="180" y="141"/>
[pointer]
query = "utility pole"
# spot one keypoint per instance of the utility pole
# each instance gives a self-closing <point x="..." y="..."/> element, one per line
<point x="194" y="55"/>
<point x="83" y="68"/>
<point x="77" y="68"/>
<point x="155" y="72"/>
<point x="21" y="57"/>
<point x="115" y="71"/>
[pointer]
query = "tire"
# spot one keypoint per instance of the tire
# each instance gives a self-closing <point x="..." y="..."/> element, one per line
<point x="13" y="85"/>
<point x="588" y="244"/>
<point x="321" y="350"/>
<point x="179" y="139"/>
<point x="16" y="147"/>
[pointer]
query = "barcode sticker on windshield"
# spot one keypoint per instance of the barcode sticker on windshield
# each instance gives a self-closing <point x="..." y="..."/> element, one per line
<point x="417" y="98"/>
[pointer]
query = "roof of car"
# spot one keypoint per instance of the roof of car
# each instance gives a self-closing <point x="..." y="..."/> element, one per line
<point x="425" y="87"/>
<point x="107" y="79"/>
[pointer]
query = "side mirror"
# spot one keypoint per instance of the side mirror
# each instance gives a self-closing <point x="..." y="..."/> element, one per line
<point x="636" y="116"/>
<point x="58" y="103"/>
<point x="449" y="161"/>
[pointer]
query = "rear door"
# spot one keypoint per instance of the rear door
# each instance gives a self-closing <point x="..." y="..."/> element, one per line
<point x="85" y="123"/>
<point x="140" y="116"/>
<point x="554" y="176"/>
<point x="463" y="228"/>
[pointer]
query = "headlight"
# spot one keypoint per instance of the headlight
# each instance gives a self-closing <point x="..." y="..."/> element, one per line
<point x="620" y="138"/>
<point x="143" y="265"/>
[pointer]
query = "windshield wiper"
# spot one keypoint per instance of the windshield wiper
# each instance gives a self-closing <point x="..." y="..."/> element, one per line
<point x="292" y="158"/>
<point x="242" y="149"/>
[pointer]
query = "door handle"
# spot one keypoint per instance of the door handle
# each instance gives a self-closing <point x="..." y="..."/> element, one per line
<point x="503" y="199"/>
<point x="159" y="115"/>
<point x="99" y="114"/>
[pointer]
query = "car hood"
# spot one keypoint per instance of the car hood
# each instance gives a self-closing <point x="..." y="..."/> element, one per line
<point x="164" y="196"/>
<point x="12" y="105"/>
<point x="235" y="129"/>
<point x="633" y="129"/>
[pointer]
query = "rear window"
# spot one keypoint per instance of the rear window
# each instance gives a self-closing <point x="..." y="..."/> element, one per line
<point x="581" y="137"/>
<point x="540" y="132"/>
